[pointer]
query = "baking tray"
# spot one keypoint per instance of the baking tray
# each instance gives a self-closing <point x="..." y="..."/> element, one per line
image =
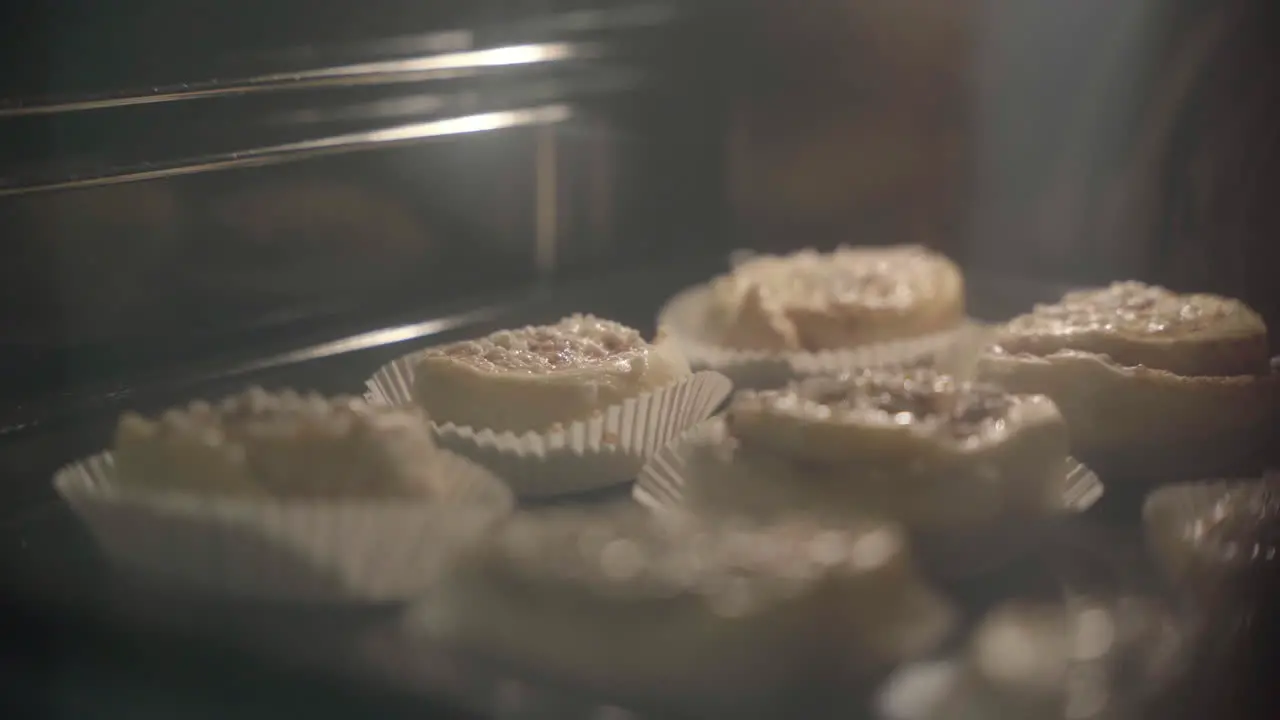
<point x="90" y="631"/>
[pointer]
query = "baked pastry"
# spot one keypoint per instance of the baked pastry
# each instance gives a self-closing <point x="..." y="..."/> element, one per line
<point x="279" y="445"/>
<point x="1017" y="667"/>
<point x="1152" y="383"/>
<point x="1210" y="535"/>
<point x="535" y="378"/>
<point x="810" y="301"/>
<point x="910" y="444"/>
<point x="1135" y="324"/>
<point x="1034" y="658"/>
<point x="714" y="615"/>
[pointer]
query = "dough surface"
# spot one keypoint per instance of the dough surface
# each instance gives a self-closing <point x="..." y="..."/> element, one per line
<point x="282" y="444"/>
<point x="1142" y="372"/>
<point x="914" y="445"/>
<point x="810" y="301"/>
<point x="1143" y="325"/>
<point x="534" y="378"/>
<point x="692" y="609"/>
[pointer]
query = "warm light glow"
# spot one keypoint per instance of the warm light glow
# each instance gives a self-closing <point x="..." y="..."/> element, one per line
<point x="493" y="57"/>
<point x="335" y="144"/>
<point x="373" y="73"/>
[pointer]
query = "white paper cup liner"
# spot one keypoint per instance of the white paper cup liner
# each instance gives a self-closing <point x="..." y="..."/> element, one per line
<point x="607" y="450"/>
<point x="661" y="488"/>
<point x="329" y="551"/>
<point x="683" y="318"/>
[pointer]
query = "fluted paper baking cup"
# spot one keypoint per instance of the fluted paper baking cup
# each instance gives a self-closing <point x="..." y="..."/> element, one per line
<point x="661" y="487"/>
<point x="683" y="318"/>
<point x="607" y="450"/>
<point x="285" y="550"/>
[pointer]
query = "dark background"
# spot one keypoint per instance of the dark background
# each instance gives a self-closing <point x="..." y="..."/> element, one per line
<point x="1075" y="142"/>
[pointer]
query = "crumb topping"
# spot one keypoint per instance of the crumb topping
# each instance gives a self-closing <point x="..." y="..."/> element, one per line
<point x="735" y="569"/>
<point x="575" y="343"/>
<point x="259" y="415"/>
<point x="278" y="442"/>
<point x="890" y="278"/>
<point x="1131" y="308"/>
<point x="914" y="397"/>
